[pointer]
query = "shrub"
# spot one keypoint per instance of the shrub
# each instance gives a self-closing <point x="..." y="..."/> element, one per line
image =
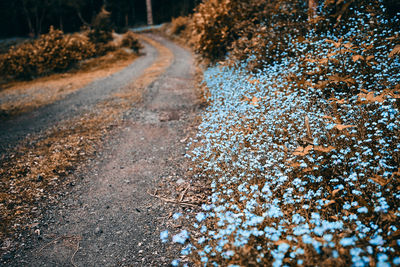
<point x="245" y="26"/>
<point x="101" y="33"/>
<point x="180" y="29"/>
<point x="262" y="31"/>
<point x="179" y="25"/>
<point x="101" y="29"/>
<point x="51" y="52"/>
<point x="214" y="28"/>
<point x="130" y="40"/>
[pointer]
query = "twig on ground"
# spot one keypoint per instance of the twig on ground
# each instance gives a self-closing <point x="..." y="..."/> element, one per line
<point x="183" y="194"/>
<point x="73" y="255"/>
<point x="64" y="237"/>
<point x="185" y="203"/>
<point x="51" y="242"/>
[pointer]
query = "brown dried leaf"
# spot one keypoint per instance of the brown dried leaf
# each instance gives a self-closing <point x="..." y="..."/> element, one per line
<point x="330" y="203"/>
<point x="341" y="127"/>
<point x="370" y="57"/>
<point x="323" y="60"/>
<point x="334" y="192"/>
<point x="380" y="180"/>
<point x="348" y="45"/>
<point x="254" y="101"/>
<point x="371" y="98"/>
<point x="294" y="164"/>
<point x="302" y="151"/>
<point x="395" y="51"/>
<point x="324" y="149"/>
<point x="327" y="117"/>
<point x="254" y="81"/>
<point x="357" y="57"/>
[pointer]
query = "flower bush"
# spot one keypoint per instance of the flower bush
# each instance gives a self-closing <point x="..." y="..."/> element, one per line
<point x="304" y="154"/>
<point x="246" y="29"/>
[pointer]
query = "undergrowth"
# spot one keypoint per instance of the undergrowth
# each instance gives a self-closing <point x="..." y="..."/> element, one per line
<point x="57" y="52"/>
<point x="302" y="152"/>
<point x="51" y="52"/>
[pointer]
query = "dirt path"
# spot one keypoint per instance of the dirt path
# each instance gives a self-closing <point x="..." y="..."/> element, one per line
<point x="109" y="218"/>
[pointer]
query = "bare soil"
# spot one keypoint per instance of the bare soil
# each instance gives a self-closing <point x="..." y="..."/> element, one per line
<point x="108" y="211"/>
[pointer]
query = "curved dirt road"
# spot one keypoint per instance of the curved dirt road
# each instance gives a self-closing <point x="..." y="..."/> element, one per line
<point x="109" y="217"/>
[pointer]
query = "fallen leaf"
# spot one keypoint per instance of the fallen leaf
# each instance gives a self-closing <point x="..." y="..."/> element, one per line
<point x="330" y="203"/>
<point x="380" y="180"/>
<point x="324" y="149"/>
<point x="302" y="151"/>
<point x="395" y="51"/>
<point x="334" y="192"/>
<point x="341" y="127"/>
<point x="328" y="117"/>
<point x="254" y="101"/>
<point x="254" y="81"/>
<point x="357" y="57"/>
<point x="294" y="164"/>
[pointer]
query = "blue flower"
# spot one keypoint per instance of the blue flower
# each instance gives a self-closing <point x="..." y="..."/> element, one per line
<point x="200" y="216"/>
<point x="347" y="241"/>
<point x="181" y="237"/>
<point x="362" y="210"/>
<point x="176" y="215"/>
<point x="164" y="236"/>
<point x="377" y="240"/>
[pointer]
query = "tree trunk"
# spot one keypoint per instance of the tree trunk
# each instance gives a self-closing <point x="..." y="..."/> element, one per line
<point x="185" y="8"/>
<point x="37" y="22"/>
<point x="29" y="20"/>
<point x="78" y="12"/>
<point x="60" y="14"/>
<point x="149" y="12"/>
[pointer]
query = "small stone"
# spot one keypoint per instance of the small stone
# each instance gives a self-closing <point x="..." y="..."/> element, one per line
<point x="98" y="231"/>
<point x="180" y="181"/>
<point x="39" y="178"/>
<point x="7" y="257"/>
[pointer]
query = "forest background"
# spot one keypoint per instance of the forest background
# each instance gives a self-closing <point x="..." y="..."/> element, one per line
<point x="34" y="17"/>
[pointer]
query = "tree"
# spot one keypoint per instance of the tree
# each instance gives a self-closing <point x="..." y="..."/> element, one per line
<point x="78" y="5"/>
<point x="149" y="12"/>
<point x="35" y="11"/>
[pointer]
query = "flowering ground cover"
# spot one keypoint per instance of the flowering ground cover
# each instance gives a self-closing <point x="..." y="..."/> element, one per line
<point x="303" y="155"/>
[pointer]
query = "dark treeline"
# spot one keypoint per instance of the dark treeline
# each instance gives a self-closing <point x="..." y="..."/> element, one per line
<point x="33" y="17"/>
